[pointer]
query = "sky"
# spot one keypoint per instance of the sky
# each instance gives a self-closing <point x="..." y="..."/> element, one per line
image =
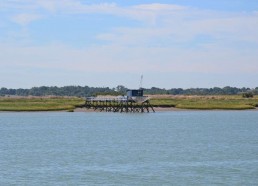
<point x="172" y="43"/>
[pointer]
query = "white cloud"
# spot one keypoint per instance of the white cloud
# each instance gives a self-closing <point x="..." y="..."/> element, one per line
<point x="164" y="45"/>
<point x="74" y="7"/>
<point x="159" y="7"/>
<point x="222" y="28"/>
<point x="167" y="14"/>
<point x="142" y="12"/>
<point x="24" y="19"/>
<point x="113" y="58"/>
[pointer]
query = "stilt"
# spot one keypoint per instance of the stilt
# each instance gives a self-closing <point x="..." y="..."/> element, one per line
<point x="117" y="105"/>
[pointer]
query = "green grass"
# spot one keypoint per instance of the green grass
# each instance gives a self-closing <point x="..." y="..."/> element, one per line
<point x="39" y="104"/>
<point x="207" y="102"/>
<point x="182" y="102"/>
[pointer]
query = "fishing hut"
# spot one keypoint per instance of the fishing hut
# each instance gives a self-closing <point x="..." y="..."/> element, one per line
<point x="134" y="101"/>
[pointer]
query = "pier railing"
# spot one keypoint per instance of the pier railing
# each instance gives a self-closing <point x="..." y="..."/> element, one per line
<point x="139" y="99"/>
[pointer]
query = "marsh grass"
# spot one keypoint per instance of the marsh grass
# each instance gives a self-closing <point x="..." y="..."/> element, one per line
<point x="39" y="104"/>
<point x="182" y="102"/>
<point x="207" y="102"/>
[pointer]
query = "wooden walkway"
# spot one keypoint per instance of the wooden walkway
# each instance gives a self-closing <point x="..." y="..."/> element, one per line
<point x="118" y="104"/>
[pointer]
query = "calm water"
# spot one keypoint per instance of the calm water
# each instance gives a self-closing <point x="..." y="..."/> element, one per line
<point x="166" y="148"/>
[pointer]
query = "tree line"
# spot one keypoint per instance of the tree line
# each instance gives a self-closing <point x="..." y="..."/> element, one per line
<point x="84" y="91"/>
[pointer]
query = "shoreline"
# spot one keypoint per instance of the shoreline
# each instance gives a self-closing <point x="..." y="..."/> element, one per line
<point x="157" y="109"/>
<point x="166" y="109"/>
<point x="159" y="103"/>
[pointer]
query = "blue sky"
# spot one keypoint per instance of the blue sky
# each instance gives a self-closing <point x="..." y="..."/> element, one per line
<point x="176" y="43"/>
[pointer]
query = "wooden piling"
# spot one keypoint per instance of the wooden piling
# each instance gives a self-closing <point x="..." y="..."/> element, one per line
<point x="118" y="105"/>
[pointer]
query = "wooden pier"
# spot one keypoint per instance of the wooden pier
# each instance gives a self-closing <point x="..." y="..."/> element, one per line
<point x="119" y="104"/>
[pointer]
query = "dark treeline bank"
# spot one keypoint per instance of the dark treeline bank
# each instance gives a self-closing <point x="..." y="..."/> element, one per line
<point x="119" y="90"/>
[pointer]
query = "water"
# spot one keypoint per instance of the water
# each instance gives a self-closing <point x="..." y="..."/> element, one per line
<point x="165" y="148"/>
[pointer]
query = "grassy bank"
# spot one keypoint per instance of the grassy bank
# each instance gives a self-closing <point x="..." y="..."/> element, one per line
<point x="39" y="104"/>
<point x="206" y="102"/>
<point x="181" y="102"/>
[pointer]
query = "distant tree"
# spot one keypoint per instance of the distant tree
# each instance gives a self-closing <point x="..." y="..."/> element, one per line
<point x="121" y="90"/>
<point x="247" y="95"/>
<point x="255" y="91"/>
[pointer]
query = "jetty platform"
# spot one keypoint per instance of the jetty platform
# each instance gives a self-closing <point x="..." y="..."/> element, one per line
<point x="120" y="104"/>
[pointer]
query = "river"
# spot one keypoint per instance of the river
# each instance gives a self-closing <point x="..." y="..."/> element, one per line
<point x="163" y="148"/>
